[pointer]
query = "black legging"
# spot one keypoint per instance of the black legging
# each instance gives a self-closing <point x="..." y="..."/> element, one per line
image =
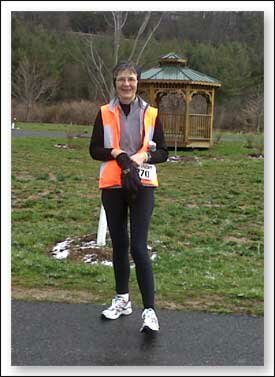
<point x="116" y="208"/>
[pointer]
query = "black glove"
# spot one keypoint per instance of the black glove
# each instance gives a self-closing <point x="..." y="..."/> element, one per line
<point x="131" y="182"/>
<point x="124" y="161"/>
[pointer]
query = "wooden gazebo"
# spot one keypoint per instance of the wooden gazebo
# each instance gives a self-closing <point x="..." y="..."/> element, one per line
<point x="185" y="99"/>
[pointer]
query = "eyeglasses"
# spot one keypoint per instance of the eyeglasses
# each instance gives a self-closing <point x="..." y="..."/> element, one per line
<point x="124" y="79"/>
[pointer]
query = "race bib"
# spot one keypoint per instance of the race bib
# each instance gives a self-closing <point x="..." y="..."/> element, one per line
<point x="147" y="172"/>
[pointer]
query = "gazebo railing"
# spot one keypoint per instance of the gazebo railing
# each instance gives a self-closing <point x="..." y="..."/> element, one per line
<point x="174" y="125"/>
<point x="199" y="126"/>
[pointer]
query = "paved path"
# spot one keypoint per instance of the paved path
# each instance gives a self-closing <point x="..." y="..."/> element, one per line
<point x="53" y="134"/>
<point x="19" y="132"/>
<point x="59" y="334"/>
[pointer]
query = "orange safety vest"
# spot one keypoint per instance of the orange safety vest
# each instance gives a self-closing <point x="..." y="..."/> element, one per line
<point x="110" y="172"/>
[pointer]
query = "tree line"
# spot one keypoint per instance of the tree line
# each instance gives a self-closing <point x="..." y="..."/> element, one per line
<point x="67" y="57"/>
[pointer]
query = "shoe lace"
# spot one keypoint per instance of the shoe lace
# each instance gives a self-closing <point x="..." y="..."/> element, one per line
<point x="118" y="303"/>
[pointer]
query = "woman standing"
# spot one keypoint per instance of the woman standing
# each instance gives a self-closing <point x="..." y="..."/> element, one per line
<point x="128" y="137"/>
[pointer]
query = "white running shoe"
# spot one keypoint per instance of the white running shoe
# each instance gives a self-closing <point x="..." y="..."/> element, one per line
<point x="150" y="321"/>
<point x="119" y="306"/>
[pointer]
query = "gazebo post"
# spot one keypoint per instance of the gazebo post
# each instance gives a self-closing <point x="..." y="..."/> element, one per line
<point x="212" y="116"/>
<point x="152" y="96"/>
<point x="187" y="110"/>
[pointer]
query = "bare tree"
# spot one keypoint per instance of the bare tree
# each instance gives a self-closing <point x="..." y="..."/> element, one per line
<point x="96" y="69"/>
<point x="253" y="113"/>
<point x="99" y="73"/>
<point x="139" y="33"/>
<point x="119" y="20"/>
<point x="30" y="85"/>
<point x="148" y="39"/>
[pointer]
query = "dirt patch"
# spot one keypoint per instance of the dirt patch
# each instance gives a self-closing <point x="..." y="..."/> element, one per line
<point x="51" y="294"/>
<point x="85" y="249"/>
<point x="207" y="303"/>
<point x="52" y="177"/>
<point x="239" y="241"/>
<point x="39" y="195"/>
<point x="215" y="303"/>
<point x="24" y="177"/>
<point x="81" y="249"/>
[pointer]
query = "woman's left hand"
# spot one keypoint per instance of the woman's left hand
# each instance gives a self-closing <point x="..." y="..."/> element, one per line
<point x="139" y="158"/>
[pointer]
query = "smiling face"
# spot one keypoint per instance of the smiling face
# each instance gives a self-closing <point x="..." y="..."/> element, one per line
<point x="126" y="85"/>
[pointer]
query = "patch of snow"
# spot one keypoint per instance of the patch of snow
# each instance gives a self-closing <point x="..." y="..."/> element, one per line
<point x="88" y="245"/>
<point x="62" y="245"/>
<point x="158" y="241"/>
<point x="92" y="259"/>
<point x="63" y="254"/>
<point x="198" y="160"/>
<point x="64" y="146"/>
<point x="173" y="159"/>
<point x="107" y="263"/>
<point x="89" y="258"/>
<point x="154" y="255"/>
<point x="62" y="249"/>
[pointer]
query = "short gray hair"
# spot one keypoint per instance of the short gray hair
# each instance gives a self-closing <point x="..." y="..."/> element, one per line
<point x="122" y="66"/>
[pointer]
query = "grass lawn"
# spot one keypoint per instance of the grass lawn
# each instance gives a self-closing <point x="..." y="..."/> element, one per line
<point x="77" y="129"/>
<point x="207" y="226"/>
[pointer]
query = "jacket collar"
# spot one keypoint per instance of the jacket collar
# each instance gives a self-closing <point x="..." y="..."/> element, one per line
<point x="115" y="103"/>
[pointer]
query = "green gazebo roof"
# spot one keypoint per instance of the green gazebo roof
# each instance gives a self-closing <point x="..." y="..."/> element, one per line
<point x="173" y="68"/>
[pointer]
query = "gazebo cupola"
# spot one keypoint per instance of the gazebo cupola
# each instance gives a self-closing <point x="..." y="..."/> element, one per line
<point x="185" y="99"/>
<point x="172" y="59"/>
